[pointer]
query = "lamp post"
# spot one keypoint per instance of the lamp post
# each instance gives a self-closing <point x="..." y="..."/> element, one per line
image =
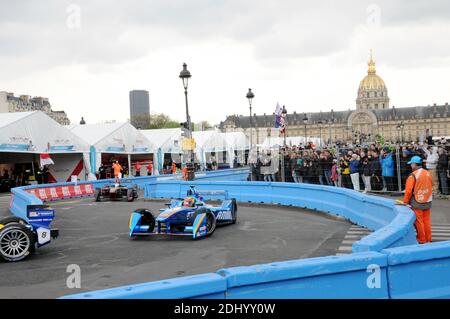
<point x="305" y="121"/>
<point x="250" y="96"/>
<point x="320" y="132"/>
<point x="284" y="115"/>
<point x="185" y="75"/>
<point x="402" y="126"/>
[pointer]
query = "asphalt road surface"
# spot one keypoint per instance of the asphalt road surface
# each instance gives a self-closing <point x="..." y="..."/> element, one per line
<point x="95" y="237"/>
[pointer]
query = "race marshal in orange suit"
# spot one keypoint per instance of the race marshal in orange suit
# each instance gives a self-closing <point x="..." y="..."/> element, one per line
<point x="418" y="194"/>
<point x="116" y="168"/>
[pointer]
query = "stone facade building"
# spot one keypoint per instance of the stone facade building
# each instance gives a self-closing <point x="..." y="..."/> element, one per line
<point x="372" y="119"/>
<point x="26" y="103"/>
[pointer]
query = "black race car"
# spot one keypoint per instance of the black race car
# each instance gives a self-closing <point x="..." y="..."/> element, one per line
<point x="116" y="191"/>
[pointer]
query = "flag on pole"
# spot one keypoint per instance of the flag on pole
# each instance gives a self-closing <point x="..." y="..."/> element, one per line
<point x="279" y="119"/>
<point x="45" y="159"/>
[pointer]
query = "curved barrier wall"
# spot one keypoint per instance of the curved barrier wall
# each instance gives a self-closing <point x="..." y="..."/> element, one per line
<point x="414" y="271"/>
<point x="23" y="196"/>
<point x="393" y="224"/>
<point x="385" y="264"/>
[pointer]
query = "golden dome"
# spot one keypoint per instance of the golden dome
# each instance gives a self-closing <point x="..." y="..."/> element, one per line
<point x="372" y="80"/>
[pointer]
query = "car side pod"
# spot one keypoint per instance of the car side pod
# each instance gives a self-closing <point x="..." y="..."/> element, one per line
<point x="199" y="226"/>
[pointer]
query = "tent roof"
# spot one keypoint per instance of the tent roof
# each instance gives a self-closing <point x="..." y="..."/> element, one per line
<point x="114" y="137"/>
<point x="211" y="140"/>
<point x="236" y="140"/>
<point x="93" y="133"/>
<point x="33" y="132"/>
<point x="8" y="118"/>
<point x="162" y="137"/>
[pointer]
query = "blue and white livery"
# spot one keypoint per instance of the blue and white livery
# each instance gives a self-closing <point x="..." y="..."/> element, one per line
<point x="191" y="216"/>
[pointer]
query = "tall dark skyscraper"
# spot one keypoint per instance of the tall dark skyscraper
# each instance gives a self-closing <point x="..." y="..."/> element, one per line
<point x="139" y="103"/>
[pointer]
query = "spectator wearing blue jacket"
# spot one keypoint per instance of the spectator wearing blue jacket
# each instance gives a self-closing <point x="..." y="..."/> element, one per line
<point x="354" y="171"/>
<point x="387" y="169"/>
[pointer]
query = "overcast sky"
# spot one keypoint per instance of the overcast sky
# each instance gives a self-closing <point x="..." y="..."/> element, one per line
<point x="308" y="55"/>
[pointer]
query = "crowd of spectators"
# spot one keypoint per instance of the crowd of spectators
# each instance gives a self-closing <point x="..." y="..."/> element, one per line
<point x="369" y="167"/>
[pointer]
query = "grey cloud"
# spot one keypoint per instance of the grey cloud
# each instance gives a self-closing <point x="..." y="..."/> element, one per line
<point x="118" y="31"/>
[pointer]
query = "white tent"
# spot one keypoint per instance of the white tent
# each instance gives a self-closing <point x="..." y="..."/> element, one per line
<point x="237" y="143"/>
<point x="166" y="139"/>
<point x="113" y="138"/>
<point x="24" y="135"/>
<point x="207" y="142"/>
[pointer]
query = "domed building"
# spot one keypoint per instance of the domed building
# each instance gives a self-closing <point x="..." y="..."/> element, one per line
<point x="372" y="119"/>
<point x="372" y="92"/>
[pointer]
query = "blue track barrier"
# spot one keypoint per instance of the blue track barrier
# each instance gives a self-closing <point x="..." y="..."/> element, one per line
<point x="323" y="277"/>
<point x="21" y="199"/>
<point x="386" y="264"/>
<point x="393" y="224"/>
<point x="198" y="286"/>
<point x="419" y="271"/>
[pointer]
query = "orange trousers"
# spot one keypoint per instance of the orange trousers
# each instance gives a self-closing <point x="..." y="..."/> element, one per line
<point x="423" y="225"/>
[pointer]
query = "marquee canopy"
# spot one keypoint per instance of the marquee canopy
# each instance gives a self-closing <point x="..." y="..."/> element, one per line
<point x="35" y="132"/>
<point x="167" y="140"/>
<point x="117" y="138"/>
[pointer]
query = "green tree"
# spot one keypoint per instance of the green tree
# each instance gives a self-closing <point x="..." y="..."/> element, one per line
<point x="154" y="121"/>
<point x="202" y="126"/>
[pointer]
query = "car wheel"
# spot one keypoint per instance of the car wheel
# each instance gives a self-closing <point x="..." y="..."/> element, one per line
<point x="233" y="211"/>
<point x="210" y="220"/>
<point x="130" y="195"/>
<point x="12" y="219"/>
<point x="210" y="223"/>
<point x="147" y="218"/>
<point x="16" y="242"/>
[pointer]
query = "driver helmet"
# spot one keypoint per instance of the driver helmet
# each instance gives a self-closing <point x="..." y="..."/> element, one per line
<point x="189" y="202"/>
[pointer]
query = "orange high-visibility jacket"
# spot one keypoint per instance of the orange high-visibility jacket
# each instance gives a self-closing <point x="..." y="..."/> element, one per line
<point x="117" y="168"/>
<point x="419" y="189"/>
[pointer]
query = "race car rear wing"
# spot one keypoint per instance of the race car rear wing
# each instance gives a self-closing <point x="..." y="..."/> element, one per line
<point x="193" y="192"/>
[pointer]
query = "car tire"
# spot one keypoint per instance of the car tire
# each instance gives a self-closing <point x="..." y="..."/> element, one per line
<point x="234" y="210"/>
<point x="210" y="224"/>
<point x="12" y="219"/>
<point x="211" y="220"/>
<point x="147" y="218"/>
<point x="16" y="242"/>
<point x="130" y="195"/>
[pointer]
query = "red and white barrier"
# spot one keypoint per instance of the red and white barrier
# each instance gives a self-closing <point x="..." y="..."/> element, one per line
<point x="61" y="192"/>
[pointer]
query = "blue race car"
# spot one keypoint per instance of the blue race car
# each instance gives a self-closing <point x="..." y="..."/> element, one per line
<point x="188" y="217"/>
<point x="19" y="237"/>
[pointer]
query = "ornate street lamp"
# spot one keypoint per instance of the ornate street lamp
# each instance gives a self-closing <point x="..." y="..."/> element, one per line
<point x="320" y="132"/>
<point x="284" y="115"/>
<point x="402" y="126"/>
<point x="305" y="121"/>
<point x="185" y="75"/>
<point x="250" y="95"/>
